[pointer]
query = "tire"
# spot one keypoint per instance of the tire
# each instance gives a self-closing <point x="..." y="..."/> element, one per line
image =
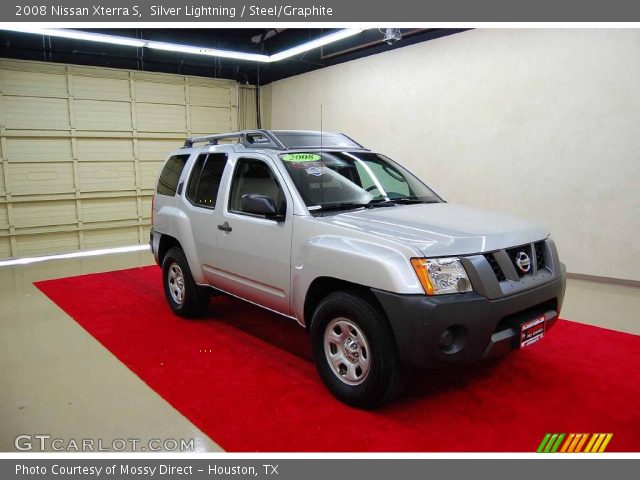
<point x="184" y="296"/>
<point x="355" y="351"/>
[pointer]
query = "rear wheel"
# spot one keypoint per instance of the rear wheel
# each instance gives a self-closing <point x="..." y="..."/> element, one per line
<point x="184" y="296"/>
<point x="355" y="351"/>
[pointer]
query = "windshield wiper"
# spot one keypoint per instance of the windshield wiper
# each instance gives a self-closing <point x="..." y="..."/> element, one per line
<point x="339" y="206"/>
<point x="410" y="200"/>
<point x="380" y="202"/>
<point x="376" y="202"/>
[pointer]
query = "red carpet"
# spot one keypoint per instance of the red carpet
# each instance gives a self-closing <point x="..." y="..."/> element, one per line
<point x="243" y="376"/>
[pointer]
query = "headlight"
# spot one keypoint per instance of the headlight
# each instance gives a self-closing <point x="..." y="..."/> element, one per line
<point x="441" y="275"/>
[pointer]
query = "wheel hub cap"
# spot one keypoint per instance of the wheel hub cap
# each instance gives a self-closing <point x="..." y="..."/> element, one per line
<point x="347" y="351"/>
<point x="175" y="279"/>
<point x="350" y="348"/>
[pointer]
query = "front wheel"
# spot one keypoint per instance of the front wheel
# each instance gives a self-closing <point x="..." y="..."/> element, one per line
<point x="184" y="296"/>
<point x="355" y="351"/>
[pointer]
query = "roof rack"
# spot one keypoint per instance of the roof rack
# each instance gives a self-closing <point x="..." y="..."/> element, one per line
<point x="253" y="138"/>
<point x="282" y="140"/>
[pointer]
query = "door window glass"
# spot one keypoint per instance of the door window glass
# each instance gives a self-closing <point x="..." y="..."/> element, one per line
<point x="253" y="176"/>
<point x="205" y="179"/>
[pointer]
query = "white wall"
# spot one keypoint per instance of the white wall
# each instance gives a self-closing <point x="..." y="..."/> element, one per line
<point x="544" y="124"/>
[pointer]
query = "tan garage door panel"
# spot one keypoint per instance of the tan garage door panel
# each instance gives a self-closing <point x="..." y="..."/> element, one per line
<point x="41" y="244"/>
<point x="146" y="207"/>
<point x="20" y="150"/>
<point x="101" y="88"/>
<point x="114" y="237"/>
<point x="105" y="149"/>
<point x="33" y="113"/>
<point x="42" y="214"/>
<point x="155" y="92"/>
<point x="153" y="117"/>
<point x="203" y="118"/>
<point x="33" y="84"/>
<point x="4" y="219"/>
<point x="156" y="149"/>
<point x="149" y="174"/>
<point x="210" y="96"/>
<point x="40" y="178"/>
<point x="106" y="176"/>
<point x="81" y="148"/>
<point x="102" y="115"/>
<point x="109" y="209"/>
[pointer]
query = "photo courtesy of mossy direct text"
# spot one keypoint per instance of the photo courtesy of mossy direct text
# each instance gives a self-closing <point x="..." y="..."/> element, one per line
<point x="162" y="469"/>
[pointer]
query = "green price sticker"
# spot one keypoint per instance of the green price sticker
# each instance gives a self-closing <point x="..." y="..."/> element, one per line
<point x="301" y="157"/>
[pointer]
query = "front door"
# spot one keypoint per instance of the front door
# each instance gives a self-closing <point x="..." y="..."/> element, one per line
<point x="253" y="253"/>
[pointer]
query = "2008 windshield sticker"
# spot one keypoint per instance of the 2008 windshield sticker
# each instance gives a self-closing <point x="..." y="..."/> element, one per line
<point x="301" y="157"/>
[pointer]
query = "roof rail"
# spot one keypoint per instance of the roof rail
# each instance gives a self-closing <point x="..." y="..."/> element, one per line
<point x="262" y="138"/>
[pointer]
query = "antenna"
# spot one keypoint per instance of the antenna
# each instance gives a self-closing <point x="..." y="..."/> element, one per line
<point x="321" y="115"/>
<point x="321" y="166"/>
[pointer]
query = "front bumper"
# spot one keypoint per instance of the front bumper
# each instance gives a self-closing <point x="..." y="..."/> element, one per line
<point x="481" y="327"/>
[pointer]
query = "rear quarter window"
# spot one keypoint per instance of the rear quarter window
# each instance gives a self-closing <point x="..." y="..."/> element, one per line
<point x="170" y="175"/>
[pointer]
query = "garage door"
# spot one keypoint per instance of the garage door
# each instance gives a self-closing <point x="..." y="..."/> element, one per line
<point x="81" y="148"/>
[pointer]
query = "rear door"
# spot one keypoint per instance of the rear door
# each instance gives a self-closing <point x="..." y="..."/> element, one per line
<point x="253" y="253"/>
<point x="201" y="202"/>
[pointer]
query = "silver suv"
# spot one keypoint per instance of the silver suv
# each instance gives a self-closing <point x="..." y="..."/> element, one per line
<point x="381" y="271"/>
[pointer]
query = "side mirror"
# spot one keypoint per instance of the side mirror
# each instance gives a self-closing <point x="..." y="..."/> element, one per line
<point x="257" y="204"/>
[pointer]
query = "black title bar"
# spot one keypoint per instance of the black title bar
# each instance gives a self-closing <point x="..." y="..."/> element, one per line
<point x="273" y="11"/>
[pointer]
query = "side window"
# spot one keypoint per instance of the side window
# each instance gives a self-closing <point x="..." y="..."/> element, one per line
<point x="205" y="178"/>
<point x="255" y="176"/>
<point x="170" y="175"/>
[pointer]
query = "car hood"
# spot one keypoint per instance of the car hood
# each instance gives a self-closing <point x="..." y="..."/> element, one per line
<point x="440" y="229"/>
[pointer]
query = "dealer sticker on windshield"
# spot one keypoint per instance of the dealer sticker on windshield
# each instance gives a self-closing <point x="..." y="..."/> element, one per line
<point x="301" y="157"/>
<point x="532" y="331"/>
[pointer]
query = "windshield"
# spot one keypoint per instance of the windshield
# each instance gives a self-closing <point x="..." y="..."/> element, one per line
<point x="353" y="179"/>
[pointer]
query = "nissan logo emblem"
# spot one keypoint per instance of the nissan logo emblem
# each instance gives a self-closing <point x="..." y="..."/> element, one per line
<point x="523" y="262"/>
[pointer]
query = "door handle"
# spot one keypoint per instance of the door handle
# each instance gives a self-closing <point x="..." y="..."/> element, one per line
<point x="225" y="227"/>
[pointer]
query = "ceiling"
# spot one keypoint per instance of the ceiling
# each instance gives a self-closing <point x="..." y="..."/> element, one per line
<point x="252" y="40"/>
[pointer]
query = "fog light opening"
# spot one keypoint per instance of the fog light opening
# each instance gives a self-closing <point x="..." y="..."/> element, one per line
<point x="452" y="339"/>
<point x="447" y="338"/>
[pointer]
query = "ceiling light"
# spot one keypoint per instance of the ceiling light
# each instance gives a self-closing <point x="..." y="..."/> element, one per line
<point x="79" y="35"/>
<point x="318" y="42"/>
<point x="211" y="52"/>
<point x="392" y="35"/>
<point x="174" y="47"/>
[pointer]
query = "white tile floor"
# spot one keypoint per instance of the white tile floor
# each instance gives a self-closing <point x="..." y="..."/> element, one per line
<point x="56" y="379"/>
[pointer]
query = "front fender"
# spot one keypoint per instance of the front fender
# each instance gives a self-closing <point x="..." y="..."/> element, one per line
<point x="353" y="260"/>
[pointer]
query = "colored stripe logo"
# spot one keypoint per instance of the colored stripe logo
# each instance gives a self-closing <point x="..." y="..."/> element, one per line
<point x="574" y="443"/>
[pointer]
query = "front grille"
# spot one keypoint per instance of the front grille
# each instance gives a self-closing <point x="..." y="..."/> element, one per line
<point x="515" y="253"/>
<point x="539" y="248"/>
<point x="495" y="267"/>
<point x="519" y="255"/>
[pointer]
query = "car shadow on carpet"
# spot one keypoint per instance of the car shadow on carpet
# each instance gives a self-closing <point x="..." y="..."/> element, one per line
<point x="286" y="334"/>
